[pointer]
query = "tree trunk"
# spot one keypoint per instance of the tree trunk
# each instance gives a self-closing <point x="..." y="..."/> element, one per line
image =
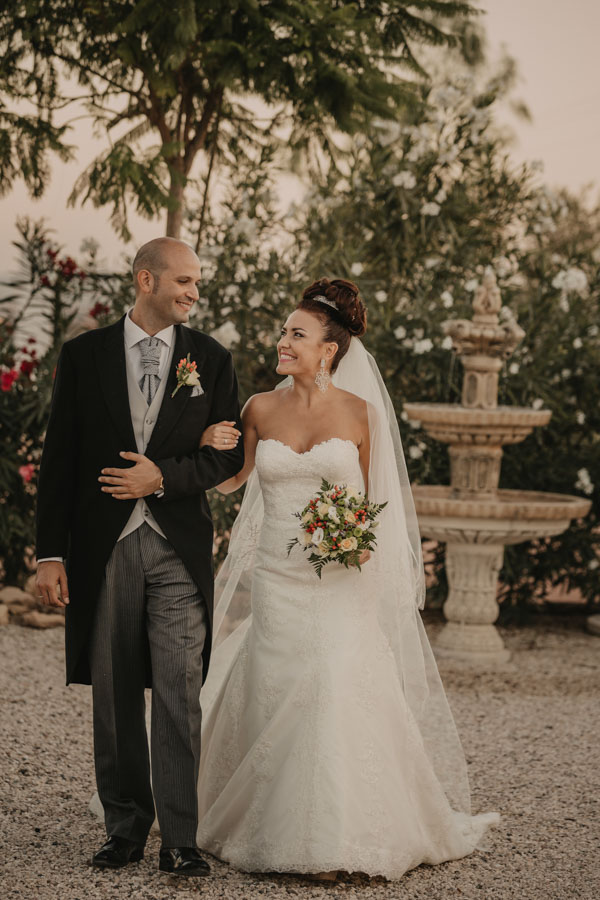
<point x="177" y="196"/>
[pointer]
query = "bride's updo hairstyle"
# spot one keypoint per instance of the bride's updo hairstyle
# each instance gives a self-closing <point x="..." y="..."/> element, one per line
<point x="347" y="319"/>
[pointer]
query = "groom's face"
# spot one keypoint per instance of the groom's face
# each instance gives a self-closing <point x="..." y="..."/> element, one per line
<point x="175" y="290"/>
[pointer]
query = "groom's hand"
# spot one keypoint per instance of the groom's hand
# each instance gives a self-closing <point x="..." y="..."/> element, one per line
<point x="138" y="481"/>
<point x="51" y="582"/>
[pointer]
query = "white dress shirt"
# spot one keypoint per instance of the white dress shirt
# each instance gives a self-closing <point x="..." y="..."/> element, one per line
<point x="132" y="335"/>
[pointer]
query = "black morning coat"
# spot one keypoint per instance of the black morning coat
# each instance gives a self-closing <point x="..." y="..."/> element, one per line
<point x="89" y="425"/>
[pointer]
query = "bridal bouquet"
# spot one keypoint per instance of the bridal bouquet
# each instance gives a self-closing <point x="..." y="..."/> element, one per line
<point x="337" y="526"/>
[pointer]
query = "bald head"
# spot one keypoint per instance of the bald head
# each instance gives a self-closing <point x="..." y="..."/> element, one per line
<point x="157" y="255"/>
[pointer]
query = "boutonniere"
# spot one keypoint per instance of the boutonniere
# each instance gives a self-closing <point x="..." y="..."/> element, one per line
<point x="187" y="375"/>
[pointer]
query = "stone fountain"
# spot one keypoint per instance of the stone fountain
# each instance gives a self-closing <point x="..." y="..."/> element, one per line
<point x="472" y="516"/>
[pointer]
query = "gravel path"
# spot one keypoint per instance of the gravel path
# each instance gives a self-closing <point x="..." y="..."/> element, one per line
<point x="530" y="732"/>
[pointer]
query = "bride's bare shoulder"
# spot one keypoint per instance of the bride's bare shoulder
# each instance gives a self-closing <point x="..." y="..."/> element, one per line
<point x="356" y="406"/>
<point x="260" y="404"/>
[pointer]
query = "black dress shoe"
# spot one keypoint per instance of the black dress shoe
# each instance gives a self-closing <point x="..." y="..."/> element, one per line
<point x="182" y="861"/>
<point x="117" y="852"/>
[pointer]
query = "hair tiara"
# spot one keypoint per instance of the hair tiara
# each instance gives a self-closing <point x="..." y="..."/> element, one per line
<point x="321" y="299"/>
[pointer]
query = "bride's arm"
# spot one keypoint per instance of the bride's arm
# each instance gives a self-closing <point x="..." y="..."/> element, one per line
<point x="250" y="435"/>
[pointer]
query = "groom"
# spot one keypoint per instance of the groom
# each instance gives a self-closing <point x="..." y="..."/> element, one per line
<point x="121" y="500"/>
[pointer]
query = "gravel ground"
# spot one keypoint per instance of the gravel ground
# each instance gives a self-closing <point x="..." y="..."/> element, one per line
<point x="530" y="732"/>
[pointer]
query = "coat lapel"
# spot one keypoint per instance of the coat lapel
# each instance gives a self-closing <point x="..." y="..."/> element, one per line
<point x="172" y="407"/>
<point x="110" y="361"/>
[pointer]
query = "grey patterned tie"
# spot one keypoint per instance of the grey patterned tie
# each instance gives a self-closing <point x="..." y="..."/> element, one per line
<point x="150" y="350"/>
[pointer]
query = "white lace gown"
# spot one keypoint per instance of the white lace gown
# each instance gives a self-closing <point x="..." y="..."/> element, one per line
<point x="311" y="759"/>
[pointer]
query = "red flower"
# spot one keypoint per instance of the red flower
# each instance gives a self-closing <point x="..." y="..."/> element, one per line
<point x="31" y="341"/>
<point x="27" y="472"/>
<point x="99" y="309"/>
<point x="7" y="379"/>
<point x="52" y="253"/>
<point x="27" y="366"/>
<point x="45" y="281"/>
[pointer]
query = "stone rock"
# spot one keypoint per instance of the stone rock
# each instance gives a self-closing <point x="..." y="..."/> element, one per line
<point x="11" y="595"/>
<point x="37" y="619"/>
<point x="4" y="615"/>
<point x="592" y="624"/>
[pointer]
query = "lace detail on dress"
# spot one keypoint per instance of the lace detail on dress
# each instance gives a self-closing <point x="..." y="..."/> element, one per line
<point x="312" y="760"/>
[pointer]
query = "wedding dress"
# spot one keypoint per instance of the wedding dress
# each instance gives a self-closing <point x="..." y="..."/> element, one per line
<point x="312" y="758"/>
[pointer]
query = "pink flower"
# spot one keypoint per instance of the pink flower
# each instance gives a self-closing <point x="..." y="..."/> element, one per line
<point x="7" y="379"/>
<point x="27" y="472"/>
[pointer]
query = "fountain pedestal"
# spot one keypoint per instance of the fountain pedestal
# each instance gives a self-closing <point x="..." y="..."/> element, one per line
<point x="473" y="517"/>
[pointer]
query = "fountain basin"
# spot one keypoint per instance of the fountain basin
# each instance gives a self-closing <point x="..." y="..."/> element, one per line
<point x="454" y="424"/>
<point x="506" y="514"/>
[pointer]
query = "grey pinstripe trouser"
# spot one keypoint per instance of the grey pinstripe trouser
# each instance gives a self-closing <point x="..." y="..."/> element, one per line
<point x="149" y="610"/>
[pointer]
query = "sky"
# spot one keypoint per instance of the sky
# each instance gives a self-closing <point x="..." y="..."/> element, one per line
<point x="555" y="46"/>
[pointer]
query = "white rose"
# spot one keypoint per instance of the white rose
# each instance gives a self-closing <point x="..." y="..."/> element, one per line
<point x="322" y="550"/>
<point x="349" y="516"/>
<point x="192" y="379"/>
<point x="349" y="544"/>
<point x="307" y="517"/>
<point x="323" y="509"/>
<point x="317" y="536"/>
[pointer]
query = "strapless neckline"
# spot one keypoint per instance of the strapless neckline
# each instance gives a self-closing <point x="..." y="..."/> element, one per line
<point x="310" y="450"/>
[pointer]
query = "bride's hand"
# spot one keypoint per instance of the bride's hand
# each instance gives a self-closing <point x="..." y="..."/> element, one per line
<point x="221" y="436"/>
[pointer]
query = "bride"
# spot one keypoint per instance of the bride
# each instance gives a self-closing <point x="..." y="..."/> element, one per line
<point x="327" y="742"/>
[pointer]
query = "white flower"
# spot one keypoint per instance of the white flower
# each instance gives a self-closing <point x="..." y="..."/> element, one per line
<point x="305" y="538"/>
<point x="578" y="343"/>
<point x="447" y="343"/>
<point x="580" y="417"/>
<point x="380" y="296"/>
<point x="471" y="285"/>
<point x="307" y="517"/>
<point x="332" y="514"/>
<point x="317" y="536"/>
<point x="400" y="332"/>
<point x="593" y="330"/>
<point x="323" y="509"/>
<point x="571" y="281"/>
<point x="441" y="195"/>
<point x="356" y="269"/>
<point x="593" y="564"/>
<point x="431" y="208"/>
<point x="349" y="516"/>
<point x="584" y="482"/>
<point x="513" y="368"/>
<point x="231" y="290"/>
<point x="538" y="403"/>
<point x="226" y="334"/>
<point x="503" y="267"/>
<point x="404" y="179"/>
<point x="423" y="346"/>
<point x="349" y="544"/>
<point x="255" y="300"/>
<point x="564" y="304"/>
<point x="415" y="452"/>
<point x="447" y="299"/>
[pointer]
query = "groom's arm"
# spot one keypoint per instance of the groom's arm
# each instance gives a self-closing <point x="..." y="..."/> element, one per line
<point x="207" y="467"/>
<point x="57" y="466"/>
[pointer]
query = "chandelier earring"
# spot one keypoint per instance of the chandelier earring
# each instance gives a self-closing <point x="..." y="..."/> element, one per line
<point x="322" y="378"/>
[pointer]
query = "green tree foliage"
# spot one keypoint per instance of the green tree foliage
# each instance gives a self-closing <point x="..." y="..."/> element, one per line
<point x="167" y="82"/>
